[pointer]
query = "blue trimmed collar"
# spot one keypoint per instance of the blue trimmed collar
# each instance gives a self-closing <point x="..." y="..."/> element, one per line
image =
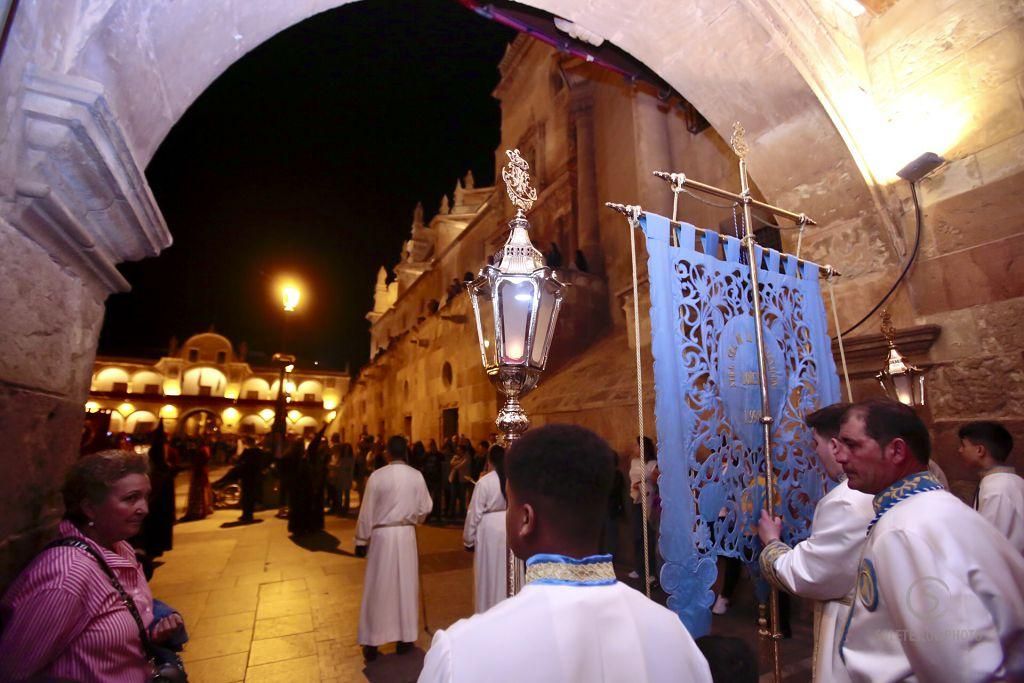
<point x="908" y="486"/>
<point x="558" y="570"/>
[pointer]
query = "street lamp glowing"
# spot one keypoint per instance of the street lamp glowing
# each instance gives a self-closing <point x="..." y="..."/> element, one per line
<point x="290" y="296"/>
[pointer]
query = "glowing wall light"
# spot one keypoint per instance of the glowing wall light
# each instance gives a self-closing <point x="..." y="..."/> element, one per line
<point x="294" y="415"/>
<point x="91" y="406"/>
<point x="168" y="411"/>
<point x="230" y="415"/>
<point x="172" y="387"/>
<point x="126" y="409"/>
<point x="267" y="414"/>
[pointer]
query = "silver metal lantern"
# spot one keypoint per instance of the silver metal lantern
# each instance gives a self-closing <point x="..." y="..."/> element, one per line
<point x="516" y="304"/>
<point x="899" y="379"/>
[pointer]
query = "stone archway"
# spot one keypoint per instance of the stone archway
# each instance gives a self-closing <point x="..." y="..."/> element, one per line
<point x="91" y="88"/>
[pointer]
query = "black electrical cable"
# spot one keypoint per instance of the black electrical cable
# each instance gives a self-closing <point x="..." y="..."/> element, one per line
<point x="906" y="268"/>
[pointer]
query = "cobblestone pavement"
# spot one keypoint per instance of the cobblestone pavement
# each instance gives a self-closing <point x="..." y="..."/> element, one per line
<point x="263" y="607"/>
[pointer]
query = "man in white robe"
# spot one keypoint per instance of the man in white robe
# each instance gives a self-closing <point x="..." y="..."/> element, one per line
<point x="985" y="447"/>
<point x="572" y="621"/>
<point x="824" y="566"/>
<point x="940" y="592"/>
<point x="484" y="534"/>
<point x="395" y="501"/>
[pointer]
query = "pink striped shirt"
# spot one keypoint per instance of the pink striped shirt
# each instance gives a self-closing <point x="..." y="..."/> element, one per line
<point x="61" y="617"/>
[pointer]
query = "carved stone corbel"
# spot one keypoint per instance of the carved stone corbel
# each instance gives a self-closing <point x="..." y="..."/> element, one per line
<point x="79" y="192"/>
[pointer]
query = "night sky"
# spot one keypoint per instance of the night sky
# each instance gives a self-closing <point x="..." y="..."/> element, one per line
<point x="307" y="157"/>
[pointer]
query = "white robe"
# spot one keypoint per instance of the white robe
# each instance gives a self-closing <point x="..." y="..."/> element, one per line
<point x="395" y="501"/>
<point x="1001" y="502"/>
<point x="563" y="634"/>
<point x="824" y="568"/>
<point x="950" y="594"/>
<point x="485" y="532"/>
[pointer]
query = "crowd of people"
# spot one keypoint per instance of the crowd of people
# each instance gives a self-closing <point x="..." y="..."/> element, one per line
<point x="910" y="583"/>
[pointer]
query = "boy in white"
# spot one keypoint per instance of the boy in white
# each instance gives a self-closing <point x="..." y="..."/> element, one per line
<point x="824" y="566"/>
<point x="985" y="447"/>
<point x="572" y="621"/>
<point x="484" y="535"/>
<point x="395" y="501"/>
<point x="940" y="592"/>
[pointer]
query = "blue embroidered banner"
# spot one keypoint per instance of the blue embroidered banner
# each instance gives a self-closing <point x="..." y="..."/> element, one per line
<point x="708" y="402"/>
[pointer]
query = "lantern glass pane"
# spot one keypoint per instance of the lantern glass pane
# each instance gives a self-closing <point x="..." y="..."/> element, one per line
<point x="516" y="298"/>
<point x="904" y="387"/>
<point x="487" y="342"/>
<point x="545" y="324"/>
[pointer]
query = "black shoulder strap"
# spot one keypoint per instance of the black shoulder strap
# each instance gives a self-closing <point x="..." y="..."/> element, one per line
<point x="72" y="542"/>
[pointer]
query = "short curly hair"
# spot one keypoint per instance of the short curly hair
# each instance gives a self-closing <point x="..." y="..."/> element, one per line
<point x="91" y="477"/>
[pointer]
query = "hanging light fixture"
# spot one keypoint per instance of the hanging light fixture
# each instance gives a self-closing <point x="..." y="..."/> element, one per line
<point x="899" y="379"/>
<point x="516" y="304"/>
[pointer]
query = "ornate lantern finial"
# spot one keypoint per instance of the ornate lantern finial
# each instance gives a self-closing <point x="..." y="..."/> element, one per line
<point x="737" y="141"/>
<point x="516" y="175"/>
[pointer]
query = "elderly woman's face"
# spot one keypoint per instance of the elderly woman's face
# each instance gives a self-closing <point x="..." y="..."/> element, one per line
<point x="120" y="514"/>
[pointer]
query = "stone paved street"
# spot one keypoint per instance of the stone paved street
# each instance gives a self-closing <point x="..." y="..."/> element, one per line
<point x="262" y="607"/>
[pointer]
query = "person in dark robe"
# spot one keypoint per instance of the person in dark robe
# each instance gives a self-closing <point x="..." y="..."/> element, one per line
<point x="346" y="467"/>
<point x="248" y="472"/>
<point x="432" y="475"/>
<point x="287" y="465"/>
<point x="301" y="482"/>
<point x="318" y="458"/>
<point x="200" y="495"/>
<point x="417" y="454"/>
<point x="306" y="511"/>
<point x="157" y="533"/>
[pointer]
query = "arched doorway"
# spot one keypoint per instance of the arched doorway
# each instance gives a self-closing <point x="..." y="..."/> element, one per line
<point x="198" y="423"/>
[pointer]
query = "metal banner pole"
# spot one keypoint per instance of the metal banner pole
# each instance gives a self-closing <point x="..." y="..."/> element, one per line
<point x="739" y="146"/>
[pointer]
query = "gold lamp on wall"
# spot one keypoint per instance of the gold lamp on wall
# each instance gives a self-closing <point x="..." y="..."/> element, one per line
<point x="899" y="379"/>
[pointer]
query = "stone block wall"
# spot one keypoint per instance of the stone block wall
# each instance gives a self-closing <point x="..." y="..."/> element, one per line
<point x="51" y="321"/>
<point x="955" y="71"/>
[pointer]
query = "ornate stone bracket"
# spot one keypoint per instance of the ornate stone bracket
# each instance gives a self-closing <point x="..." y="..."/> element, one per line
<point x="865" y="354"/>
<point x="80" y="194"/>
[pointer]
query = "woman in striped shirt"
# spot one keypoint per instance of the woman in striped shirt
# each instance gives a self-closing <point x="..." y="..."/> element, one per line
<point x="62" y="617"/>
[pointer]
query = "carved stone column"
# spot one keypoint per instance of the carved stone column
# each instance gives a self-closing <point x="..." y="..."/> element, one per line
<point x="79" y="204"/>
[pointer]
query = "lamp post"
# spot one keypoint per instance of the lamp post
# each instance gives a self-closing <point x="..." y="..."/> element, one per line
<point x="290" y="296"/>
<point x="515" y="303"/>
<point x="899" y="379"/>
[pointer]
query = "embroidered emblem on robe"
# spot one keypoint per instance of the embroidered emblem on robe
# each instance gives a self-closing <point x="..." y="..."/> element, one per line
<point x="867" y="585"/>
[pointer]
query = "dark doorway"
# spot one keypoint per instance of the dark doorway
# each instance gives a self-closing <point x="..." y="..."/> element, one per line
<point x="408" y="426"/>
<point x="449" y="422"/>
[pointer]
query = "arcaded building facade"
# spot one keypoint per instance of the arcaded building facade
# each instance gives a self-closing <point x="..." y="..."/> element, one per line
<point x="205" y="385"/>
